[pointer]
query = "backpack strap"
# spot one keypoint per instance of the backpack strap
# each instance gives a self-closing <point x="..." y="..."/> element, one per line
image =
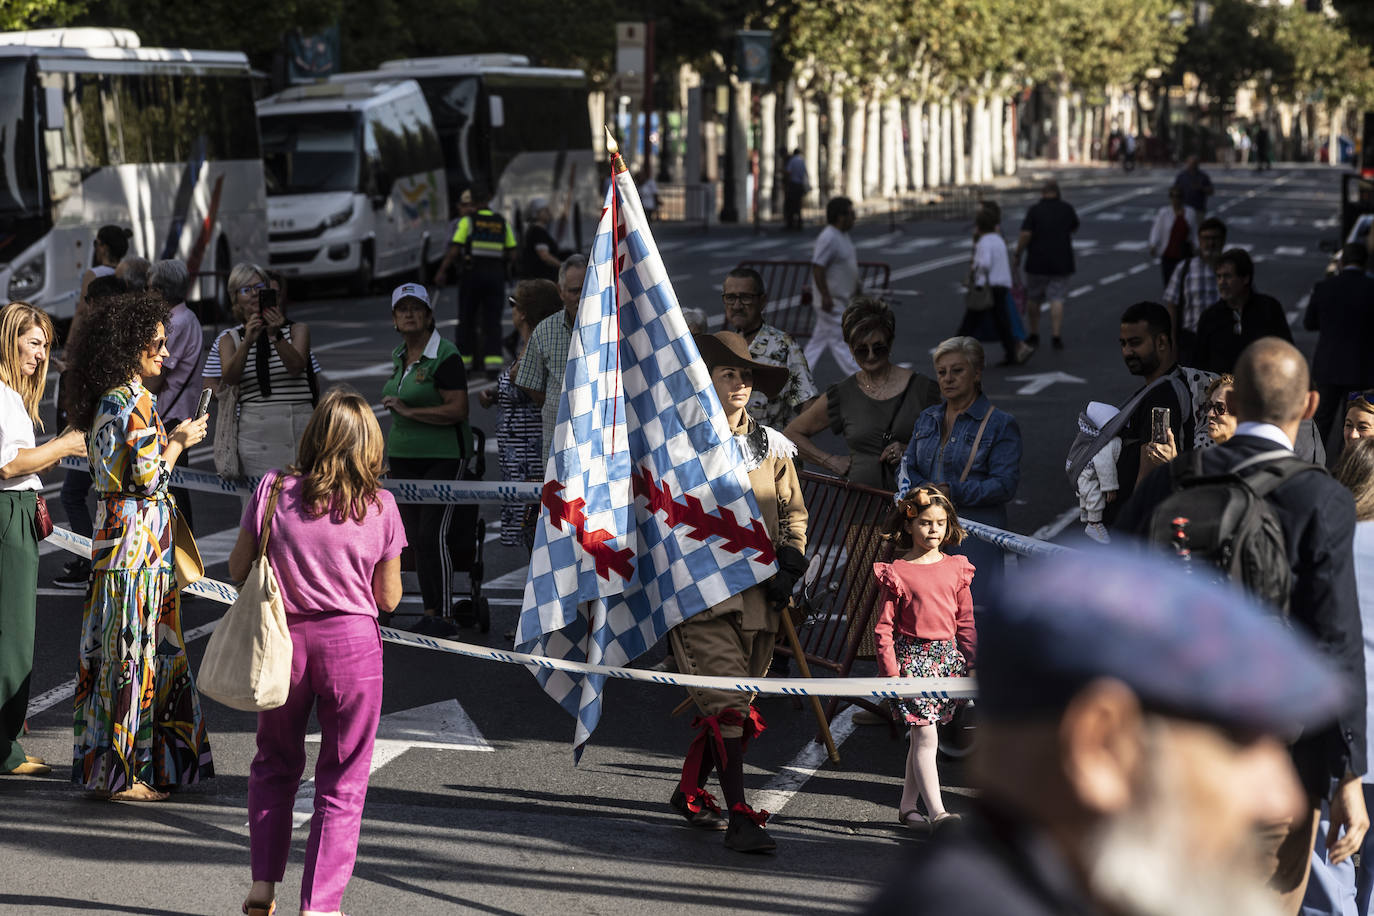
<point x="1266" y="472"/>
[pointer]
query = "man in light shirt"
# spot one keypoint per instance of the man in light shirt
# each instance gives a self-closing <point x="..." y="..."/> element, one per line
<point x="835" y="277"/>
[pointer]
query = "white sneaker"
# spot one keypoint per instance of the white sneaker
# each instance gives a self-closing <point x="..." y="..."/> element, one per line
<point x="1098" y="532"/>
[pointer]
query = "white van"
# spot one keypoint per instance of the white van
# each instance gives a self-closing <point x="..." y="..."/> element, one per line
<point x="355" y="181"/>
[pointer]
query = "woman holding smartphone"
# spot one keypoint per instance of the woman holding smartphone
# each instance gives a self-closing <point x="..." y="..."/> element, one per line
<point x="269" y="359"/>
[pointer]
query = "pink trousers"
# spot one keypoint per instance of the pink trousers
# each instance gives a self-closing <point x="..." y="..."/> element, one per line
<point x="337" y="670"/>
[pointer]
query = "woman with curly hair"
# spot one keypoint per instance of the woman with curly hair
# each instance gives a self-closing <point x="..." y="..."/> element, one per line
<point x="138" y="726"/>
<point x="874" y="409"/>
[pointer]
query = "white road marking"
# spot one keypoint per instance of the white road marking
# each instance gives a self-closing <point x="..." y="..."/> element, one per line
<point x="1111" y="217"/>
<point x="1038" y="381"/>
<point x="911" y="245"/>
<point x="445" y="726"/>
<point x="1112" y="201"/>
<point x="797" y="771"/>
<point x="1066" y="518"/>
<point x="1130" y="246"/>
<point x="1111" y="278"/>
<point x="878" y="241"/>
<point x="340" y="344"/>
<point x="1290" y="250"/>
<point x="1139" y="268"/>
<point x="927" y="266"/>
<point x="1081" y="291"/>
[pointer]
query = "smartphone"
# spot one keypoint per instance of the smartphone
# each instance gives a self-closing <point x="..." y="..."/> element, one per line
<point x="267" y="299"/>
<point x="1159" y="425"/>
<point x="203" y="407"/>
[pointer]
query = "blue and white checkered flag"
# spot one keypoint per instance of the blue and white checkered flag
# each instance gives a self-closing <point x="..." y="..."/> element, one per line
<point x="647" y="512"/>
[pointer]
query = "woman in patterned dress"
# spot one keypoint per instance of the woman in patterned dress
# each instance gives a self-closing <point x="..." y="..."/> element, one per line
<point x="520" y="426"/>
<point x="138" y="726"/>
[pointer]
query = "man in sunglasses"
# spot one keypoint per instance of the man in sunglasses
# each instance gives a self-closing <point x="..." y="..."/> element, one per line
<point x="744" y="296"/>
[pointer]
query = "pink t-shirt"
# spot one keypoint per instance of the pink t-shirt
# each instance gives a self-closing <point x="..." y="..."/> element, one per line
<point x="322" y="565"/>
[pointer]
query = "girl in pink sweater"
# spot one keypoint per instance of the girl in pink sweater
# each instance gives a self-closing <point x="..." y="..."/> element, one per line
<point x="925" y="629"/>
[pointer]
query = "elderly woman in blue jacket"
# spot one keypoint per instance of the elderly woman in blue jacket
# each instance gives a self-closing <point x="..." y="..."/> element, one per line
<point x="969" y="447"/>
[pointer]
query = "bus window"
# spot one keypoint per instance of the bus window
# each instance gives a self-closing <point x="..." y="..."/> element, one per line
<point x="19" y="187"/>
<point x="304" y="154"/>
<point x="453" y="103"/>
<point x="394" y="157"/>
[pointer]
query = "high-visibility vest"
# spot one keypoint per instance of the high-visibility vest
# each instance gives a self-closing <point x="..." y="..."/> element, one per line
<point x="484" y="234"/>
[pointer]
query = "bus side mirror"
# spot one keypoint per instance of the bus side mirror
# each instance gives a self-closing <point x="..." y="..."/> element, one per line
<point x="498" y="111"/>
<point x="54" y="114"/>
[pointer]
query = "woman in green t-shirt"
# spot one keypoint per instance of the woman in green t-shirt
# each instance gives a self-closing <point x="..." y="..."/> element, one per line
<point x="427" y="395"/>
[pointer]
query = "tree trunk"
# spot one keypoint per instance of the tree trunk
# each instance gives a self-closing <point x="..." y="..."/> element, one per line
<point x="739" y="153"/>
<point x="768" y="153"/>
<point x="1009" y="154"/>
<point x="792" y="115"/>
<point x="947" y="149"/>
<point x="854" y="151"/>
<point x="895" y="164"/>
<point x="811" y="146"/>
<point x="1061" y="123"/>
<point x="934" y="169"/>
<point x="997" y="152"/>
<point x="917" y="150"/>
<point x="958" y="125"/>
<point x="834" y="149"/>
<point x="873" y="124"/>
<point x="1335" y="122"/>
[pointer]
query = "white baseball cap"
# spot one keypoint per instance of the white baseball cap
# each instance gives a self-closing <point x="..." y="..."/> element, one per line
<point x="409" y="291"/>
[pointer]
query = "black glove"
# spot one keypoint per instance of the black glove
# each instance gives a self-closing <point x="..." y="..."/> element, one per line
<point x="791" y="567"/>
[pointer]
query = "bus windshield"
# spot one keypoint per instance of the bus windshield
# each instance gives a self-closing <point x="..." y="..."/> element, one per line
<point x="453" y="105"/>
<point x="19" y="185"/>
<point x="310" y="153"/>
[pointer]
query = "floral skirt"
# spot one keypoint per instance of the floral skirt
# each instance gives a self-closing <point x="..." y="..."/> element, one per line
<point x="928" y="658"/>
<point x="138" y="716"/>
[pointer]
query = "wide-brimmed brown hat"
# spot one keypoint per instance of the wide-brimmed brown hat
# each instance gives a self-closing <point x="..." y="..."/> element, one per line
<point x="726" y="348"/>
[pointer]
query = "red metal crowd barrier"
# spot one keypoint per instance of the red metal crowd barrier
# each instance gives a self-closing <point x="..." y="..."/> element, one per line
<point x="839" y="597"/>
<point x="788" y="287"/>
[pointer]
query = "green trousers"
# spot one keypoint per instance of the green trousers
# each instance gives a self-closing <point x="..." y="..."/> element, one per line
<point x="18" y="600"/>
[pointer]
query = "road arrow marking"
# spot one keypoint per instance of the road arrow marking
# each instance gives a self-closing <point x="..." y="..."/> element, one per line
<point x="445" y="726"/>
<point x="1041" y="380"/>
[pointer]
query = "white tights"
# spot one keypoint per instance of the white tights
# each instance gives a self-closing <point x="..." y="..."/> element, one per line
<point x="922" y="776"/>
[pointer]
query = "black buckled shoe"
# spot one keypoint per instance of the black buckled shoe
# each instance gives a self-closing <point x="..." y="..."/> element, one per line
<point x="707" y="815"/>
<point x="746" y="833"/>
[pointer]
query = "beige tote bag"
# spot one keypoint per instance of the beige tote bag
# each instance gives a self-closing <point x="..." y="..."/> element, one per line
<point x="247" y="663"/>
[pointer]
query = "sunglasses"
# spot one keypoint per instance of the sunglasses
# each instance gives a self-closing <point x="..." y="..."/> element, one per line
<point x="732" y="298"/>
<point x="1216" y="408"/>
<point x="867" y="351"/>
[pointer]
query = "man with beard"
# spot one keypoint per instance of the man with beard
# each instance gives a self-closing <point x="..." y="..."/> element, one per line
<point x="1147" y="346"/>
<point x="1131" y="748"/>
<point x="744" y="296"/>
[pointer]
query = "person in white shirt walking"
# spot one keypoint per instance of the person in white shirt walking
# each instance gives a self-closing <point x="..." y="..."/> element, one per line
<point x="991" y="271"/>
<point x="835" y="276"/>
<point x="1173" y="236"/>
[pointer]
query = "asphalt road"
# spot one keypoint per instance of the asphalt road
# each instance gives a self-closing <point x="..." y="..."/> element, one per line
<point x="475" y="805"/>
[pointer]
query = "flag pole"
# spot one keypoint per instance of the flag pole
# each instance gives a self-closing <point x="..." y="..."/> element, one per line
<point x="794" y="644"/>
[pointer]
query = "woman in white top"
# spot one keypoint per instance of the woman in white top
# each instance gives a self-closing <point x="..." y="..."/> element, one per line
<point x="269" y="359"/>
<point x="25" y="336"/>
<point x="991" y="269"/>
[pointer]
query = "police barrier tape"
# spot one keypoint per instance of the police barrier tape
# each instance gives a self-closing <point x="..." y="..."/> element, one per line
<point x="405" y="491"/>
<point x="869" y="687"/>
<point x="484" y="492"/>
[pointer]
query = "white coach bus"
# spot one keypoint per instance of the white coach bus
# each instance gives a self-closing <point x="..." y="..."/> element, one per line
<point x="96" y="129"/>
<point x="522" y="132"/>
<point x="355" y="181"/>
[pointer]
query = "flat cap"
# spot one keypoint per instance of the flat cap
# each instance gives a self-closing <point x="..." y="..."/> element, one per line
<point x="1187" y="646"/>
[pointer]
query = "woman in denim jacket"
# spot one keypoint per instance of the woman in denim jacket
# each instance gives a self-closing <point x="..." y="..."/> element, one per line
<point x="940" y="449"/>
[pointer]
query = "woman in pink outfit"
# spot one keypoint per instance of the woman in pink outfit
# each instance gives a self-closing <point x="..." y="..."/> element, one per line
<point x="925" y="629"/>
<point x="335" y="547"/>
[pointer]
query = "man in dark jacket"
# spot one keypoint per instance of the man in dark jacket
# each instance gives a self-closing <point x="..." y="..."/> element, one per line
<point x="1270" y="400"/>
<point x="1341" y="311"/>
<point x="1130" y="746"/>
<point x="1241" y="317"/>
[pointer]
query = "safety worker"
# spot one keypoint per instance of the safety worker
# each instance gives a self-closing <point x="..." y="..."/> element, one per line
<point x="484" y="246"/>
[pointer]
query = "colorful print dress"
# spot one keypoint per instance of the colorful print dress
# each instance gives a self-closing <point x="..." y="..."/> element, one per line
<point x="138" y="717"/>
